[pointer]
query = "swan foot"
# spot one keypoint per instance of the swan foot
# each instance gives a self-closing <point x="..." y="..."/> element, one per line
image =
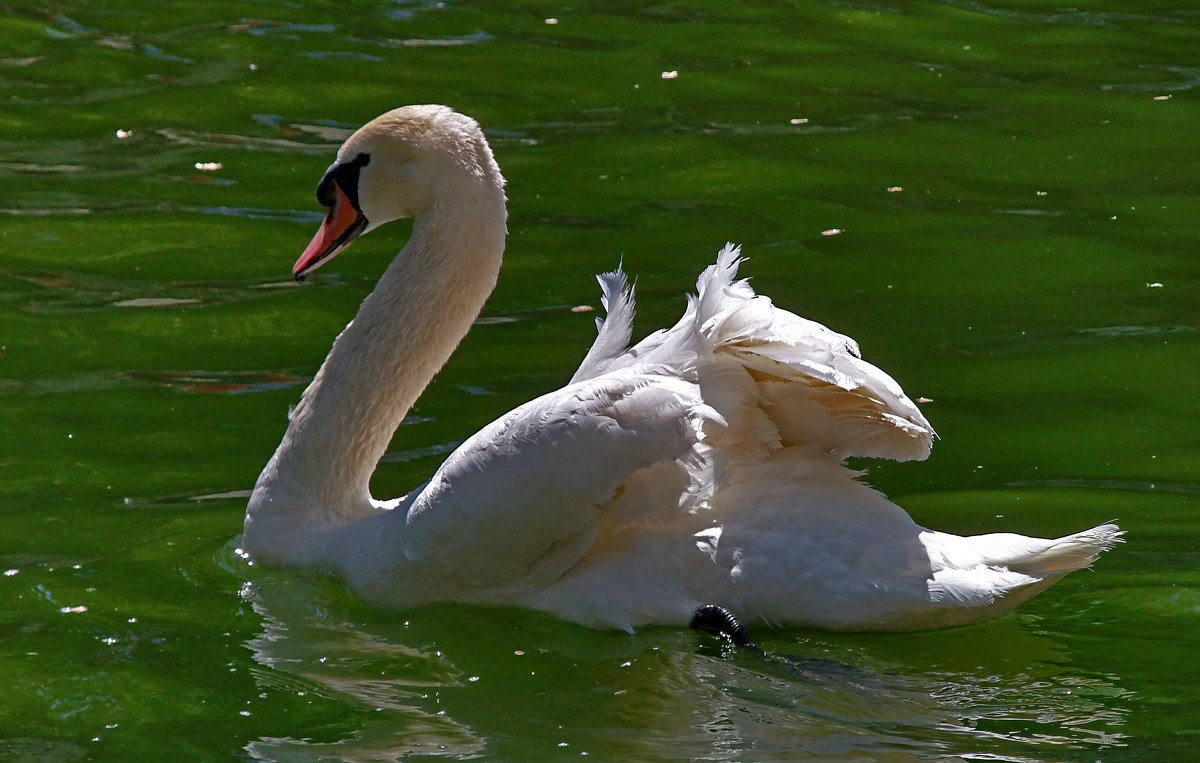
<point x="720" y="622"/>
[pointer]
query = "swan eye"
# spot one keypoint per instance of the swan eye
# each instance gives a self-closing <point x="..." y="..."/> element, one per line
<point x="345" y="175"/>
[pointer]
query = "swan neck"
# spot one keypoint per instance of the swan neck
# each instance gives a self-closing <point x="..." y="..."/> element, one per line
<point x="404" y="332"/>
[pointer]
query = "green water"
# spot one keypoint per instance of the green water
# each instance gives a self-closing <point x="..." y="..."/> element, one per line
<point x="1015" y="183"/>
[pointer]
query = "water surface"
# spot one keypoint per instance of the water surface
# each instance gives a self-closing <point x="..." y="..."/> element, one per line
<point x="997" y="199"/>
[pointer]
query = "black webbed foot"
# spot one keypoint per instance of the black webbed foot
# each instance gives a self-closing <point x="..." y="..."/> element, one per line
<point x="720" y="622"/>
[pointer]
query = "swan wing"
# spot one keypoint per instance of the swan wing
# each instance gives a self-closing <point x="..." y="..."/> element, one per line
<point x="520" y="501"/>
<point x="811" y="380"/>
<point x="754" y="360"/>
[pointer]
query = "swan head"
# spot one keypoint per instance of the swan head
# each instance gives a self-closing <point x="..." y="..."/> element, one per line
<point x="401" y="164"/>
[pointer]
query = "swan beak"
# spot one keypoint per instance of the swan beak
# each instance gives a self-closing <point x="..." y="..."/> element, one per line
<point x="342" y="224"/>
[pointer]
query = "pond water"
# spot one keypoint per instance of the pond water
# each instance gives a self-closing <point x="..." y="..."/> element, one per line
<point x="997" y="199"/>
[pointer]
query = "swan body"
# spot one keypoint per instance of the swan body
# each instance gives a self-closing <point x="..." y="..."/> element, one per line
<point x="705" y="464"/>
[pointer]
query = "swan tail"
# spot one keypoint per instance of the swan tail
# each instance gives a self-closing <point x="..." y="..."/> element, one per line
<point x="988" y="575"/>
<point x="1054" y="558"/>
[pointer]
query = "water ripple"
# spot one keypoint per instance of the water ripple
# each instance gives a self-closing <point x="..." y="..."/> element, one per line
<point x="400" y="456"/>
<point x="248" y="142"/>
<point x="1032" y="340"/>
<point x="1186" y="78"/>
<point x="188" y="382"/>
<point x="1095" y="483"/>
<point x="1069" y="16"/>
<point x="63" y="291"/>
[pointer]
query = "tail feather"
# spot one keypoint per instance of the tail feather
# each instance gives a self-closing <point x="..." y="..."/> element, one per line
<point x="984" y="576"/>
<point x="1036" y="557"/>
<point x="1069" y="553"/>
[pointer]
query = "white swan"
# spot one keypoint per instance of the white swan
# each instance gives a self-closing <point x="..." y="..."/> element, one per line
<point x="702" y="465"/>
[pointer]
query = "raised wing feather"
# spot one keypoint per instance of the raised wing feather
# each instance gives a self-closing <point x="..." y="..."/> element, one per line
<point x="809" y="381"/>
<point x="614" y="330"/>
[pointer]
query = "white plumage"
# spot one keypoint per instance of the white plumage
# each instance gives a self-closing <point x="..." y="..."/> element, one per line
<point x="702" y="465"/>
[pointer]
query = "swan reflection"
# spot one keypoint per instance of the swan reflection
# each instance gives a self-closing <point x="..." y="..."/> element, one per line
<point x="464" y="681"/>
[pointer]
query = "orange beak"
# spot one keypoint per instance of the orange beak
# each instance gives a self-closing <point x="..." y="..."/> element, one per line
<point x="342" y="224"/>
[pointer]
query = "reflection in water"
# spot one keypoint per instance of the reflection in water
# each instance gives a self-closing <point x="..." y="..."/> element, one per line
<point x="305" y="651"/>
<point x="454" y="681"/>
<point x="1063" y="711"/>
<point x="845" y="711"/>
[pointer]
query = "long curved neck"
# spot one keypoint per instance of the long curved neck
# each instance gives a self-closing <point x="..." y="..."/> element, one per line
<point x="405" y="331"/>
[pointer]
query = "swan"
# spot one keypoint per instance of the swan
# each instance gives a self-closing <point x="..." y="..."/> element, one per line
<point x="702" y="465"/>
